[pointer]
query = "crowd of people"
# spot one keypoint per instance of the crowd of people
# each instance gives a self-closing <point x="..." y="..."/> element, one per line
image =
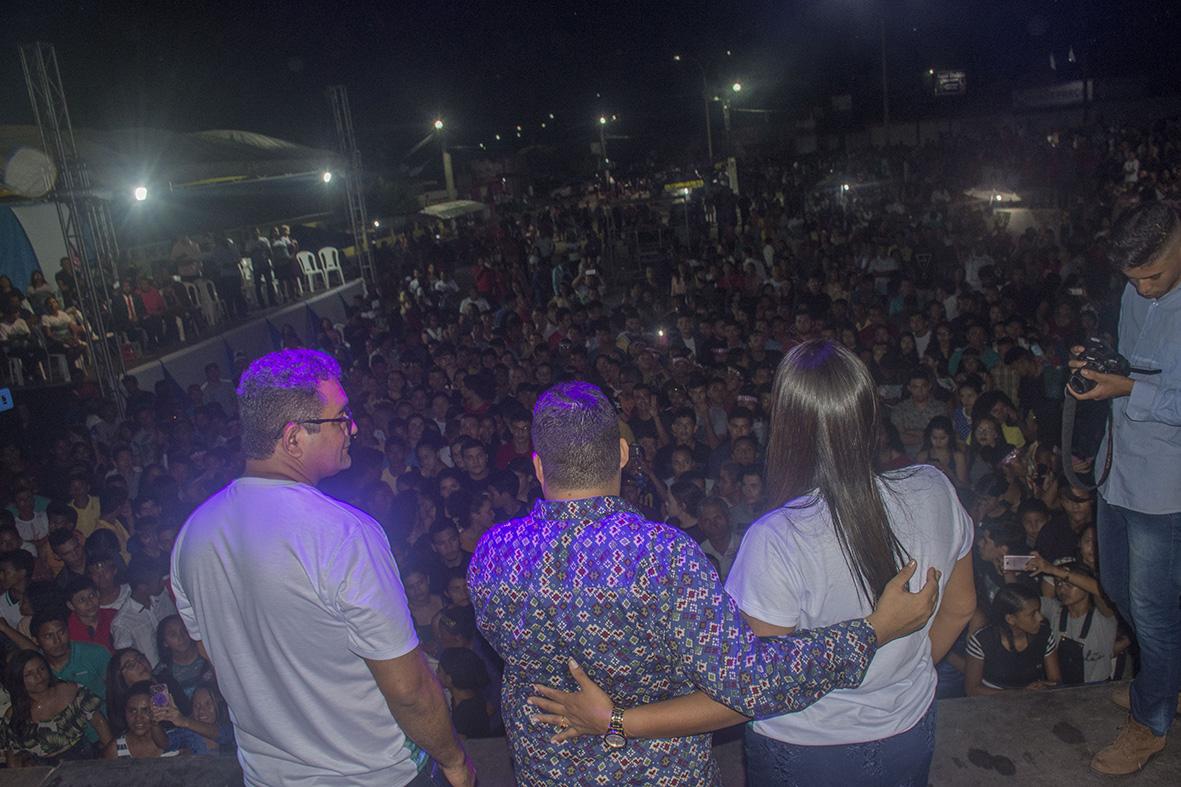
<point x="965" y="328"/>
<point x="150" y="309"/>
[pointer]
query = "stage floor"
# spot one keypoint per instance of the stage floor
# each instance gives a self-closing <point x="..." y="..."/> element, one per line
<point x="1042" y="738"/>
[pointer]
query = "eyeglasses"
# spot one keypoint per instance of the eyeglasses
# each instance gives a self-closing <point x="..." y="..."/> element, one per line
<point x="345" y="420"/>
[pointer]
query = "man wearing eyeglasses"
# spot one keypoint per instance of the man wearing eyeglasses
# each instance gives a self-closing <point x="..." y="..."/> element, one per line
<point x="295" y="598"/>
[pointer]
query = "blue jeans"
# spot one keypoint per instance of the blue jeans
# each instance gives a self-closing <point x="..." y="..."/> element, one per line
<point x="1140" y="568"/>
<point x="902" y="760"/>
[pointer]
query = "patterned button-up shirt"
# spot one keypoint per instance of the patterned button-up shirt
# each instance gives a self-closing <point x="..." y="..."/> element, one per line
<point x="639" y="606"/>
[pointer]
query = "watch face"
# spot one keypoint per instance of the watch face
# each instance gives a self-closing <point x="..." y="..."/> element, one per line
<point x="614" y="740"/>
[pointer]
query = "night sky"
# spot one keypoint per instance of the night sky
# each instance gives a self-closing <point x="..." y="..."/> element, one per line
<point x="487" y="67"/>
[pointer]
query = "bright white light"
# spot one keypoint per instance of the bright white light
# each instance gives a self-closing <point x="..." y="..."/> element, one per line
<point x="497" y="137"/>
<point x="543" y="124"/>
<point x="520" y="129"/>
<point x="677" y="58"/>
<point x="551" y="116"/>
<point x="736" y="87"/>
<point x="602" y="120"/>
<point x="615" y="117"/>
<point x="931" y="71"/>
<point x="727" y="53"/>
<point x="997" y="197"/>
<point x="482" y="146"/>
<point x="844" y="187"/>
<point x="438" y="124"/>
<point x="141" y="193"/>
<point x="376" y="223"/>
<point x="660" y="332"/>
<point x="326" y="177"/>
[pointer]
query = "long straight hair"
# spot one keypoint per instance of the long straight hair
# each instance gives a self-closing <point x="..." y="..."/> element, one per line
<point x="824" y="436"/>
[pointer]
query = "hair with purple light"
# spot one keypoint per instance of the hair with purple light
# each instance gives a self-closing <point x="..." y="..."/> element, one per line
<point x="277" y="389"/>
<point x="576" y="436"/>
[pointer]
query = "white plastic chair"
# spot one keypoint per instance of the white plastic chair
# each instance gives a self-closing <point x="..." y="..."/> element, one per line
<point x="310" y="270"/>
<point x="216" y="306"/>
<point x="330" y="263"/>
<point x="246" y="271"/>
<point x="201" y="300"/>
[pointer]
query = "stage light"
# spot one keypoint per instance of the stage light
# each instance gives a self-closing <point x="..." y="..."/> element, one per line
<point x="141" y="193"/>
<point x="326" y="177"/>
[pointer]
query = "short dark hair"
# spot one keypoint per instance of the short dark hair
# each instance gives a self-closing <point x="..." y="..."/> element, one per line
<point x="48" y="615"/>
<point x="504" y="481"/>
<point x="143" y="571"/>
<point x="576" y="436"/>
<point x="18" y="559"/>
<point x="79" y="584"/>
<point x="1031" y="506"/>
<point x="57" y="508"/>
<point x="1005" y="533"/>
<point x="465" y="669"/>
<point x="59" y="537"/>
<point x="1141" y="234"/>
<point x="279" y="388"/>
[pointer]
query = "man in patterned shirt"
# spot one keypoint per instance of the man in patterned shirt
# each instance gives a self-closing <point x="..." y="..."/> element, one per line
<point x="585" y="577"/>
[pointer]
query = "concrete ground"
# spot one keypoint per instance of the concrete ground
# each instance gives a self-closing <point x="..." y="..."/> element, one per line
<point x="1036" y="738"/>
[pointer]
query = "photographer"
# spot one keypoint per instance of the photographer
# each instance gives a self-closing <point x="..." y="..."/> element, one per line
<point x="1140" y="502"/>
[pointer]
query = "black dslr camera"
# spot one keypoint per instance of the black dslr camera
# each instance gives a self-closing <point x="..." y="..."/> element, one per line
<point x="1099" y="358"/>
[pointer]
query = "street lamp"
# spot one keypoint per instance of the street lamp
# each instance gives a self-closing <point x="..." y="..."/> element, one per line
<point x="326" y="177"/>
<point x="448" y="173"/>
<point x="736" y="87"/>
<point x="140" y="193"/>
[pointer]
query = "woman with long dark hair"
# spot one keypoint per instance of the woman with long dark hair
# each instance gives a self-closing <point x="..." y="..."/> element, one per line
<point x="837" y="533"/>
<point x="48" y="720"/>
<point x="1019" y="650"/>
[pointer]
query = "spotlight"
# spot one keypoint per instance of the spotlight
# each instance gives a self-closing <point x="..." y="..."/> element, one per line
<point x="141" y="193"/>
<point x="326" y="177"/>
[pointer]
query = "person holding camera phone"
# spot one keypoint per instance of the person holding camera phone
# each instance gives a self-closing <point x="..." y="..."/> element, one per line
<point x="1139" y="511"/>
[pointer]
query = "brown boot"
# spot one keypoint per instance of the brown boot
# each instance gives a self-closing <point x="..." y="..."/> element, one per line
<point x="1132" y="750"/>
<point x="1120" y="696"/>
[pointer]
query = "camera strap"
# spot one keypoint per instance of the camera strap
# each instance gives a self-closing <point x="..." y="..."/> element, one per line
<point x="1068" y="412"/>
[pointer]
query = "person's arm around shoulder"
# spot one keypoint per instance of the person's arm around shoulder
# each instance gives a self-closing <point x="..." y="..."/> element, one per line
<point x="416" y="702"/>
<point x="796" y="670"/>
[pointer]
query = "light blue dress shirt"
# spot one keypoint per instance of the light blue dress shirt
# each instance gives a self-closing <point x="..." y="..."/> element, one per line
<point x="1146" y="425"/>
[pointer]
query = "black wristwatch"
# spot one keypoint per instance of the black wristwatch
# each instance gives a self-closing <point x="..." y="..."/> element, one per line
<point x="615" y="738"/>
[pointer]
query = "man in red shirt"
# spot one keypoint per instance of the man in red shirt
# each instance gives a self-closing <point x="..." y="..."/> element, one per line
<point x="88" y="621"/>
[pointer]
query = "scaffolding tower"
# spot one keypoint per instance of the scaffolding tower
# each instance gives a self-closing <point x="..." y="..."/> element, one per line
<point x="85" y="218"/>
<point x="346" y="142"/>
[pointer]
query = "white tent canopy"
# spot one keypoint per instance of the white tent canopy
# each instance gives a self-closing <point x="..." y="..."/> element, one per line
<point x="454" y="209"/>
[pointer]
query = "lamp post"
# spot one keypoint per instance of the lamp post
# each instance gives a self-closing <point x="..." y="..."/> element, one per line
<point x="735" y="89"/>
<point x="448" y="173"/>
<point x="709" y="134"/>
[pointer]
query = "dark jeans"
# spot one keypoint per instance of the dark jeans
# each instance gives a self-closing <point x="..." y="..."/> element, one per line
<point x="1140" y="568"/>
<point x="902" y="760"/>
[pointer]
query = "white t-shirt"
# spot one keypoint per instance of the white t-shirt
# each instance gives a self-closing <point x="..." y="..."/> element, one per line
<point x="1098" y="647"/>
<point x="790" y="571"/>
<point x="32" y="529"/>
<point x="134" y="626"/>
<point x="291" y="590"/>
